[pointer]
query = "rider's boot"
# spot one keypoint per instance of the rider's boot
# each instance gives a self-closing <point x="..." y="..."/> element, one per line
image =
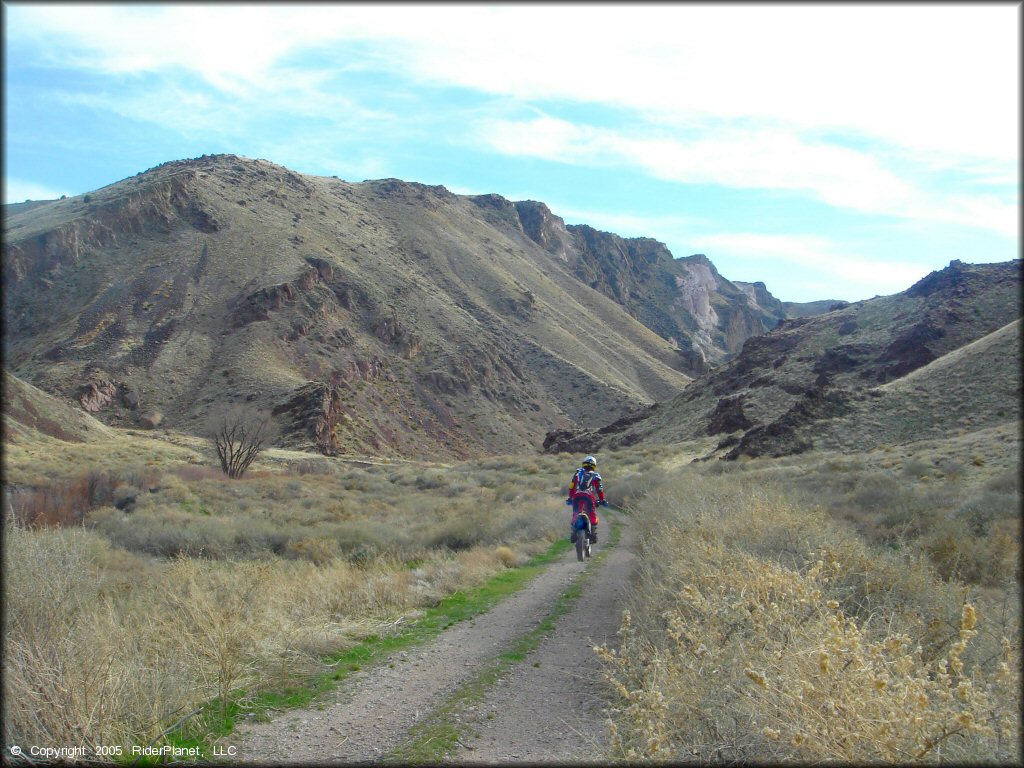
<point x="593" y="535"/>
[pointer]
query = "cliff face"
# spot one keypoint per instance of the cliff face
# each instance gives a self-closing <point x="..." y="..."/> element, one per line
<point x="684" y="300"/>
<point x="107" y="222"/>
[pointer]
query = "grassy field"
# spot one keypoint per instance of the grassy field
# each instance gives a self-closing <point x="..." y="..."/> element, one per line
<point x="766" y="626"/>
<point x="824" y="606"/>
<point x="204" y="589"/>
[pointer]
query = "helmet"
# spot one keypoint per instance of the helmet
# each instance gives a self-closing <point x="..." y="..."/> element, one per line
<point x="589" y="463"/>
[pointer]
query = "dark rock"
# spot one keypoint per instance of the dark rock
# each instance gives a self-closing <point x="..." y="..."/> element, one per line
<point x="783" y="437"/>
<point x="314" y="411"/>
<point x="842" y="359"/>
<point x="941" y="280"/>
<point x="543" y="227"/>
<point x="124" y="498"/>
<point x="727" y="442"/>
<point x="728" y="417"/>
<point x="130" y="398"/>
<point x="568" y="441"/>
<point x="909" y="351"/>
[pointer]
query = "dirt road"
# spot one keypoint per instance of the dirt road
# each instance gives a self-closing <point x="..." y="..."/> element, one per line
<point x="531" y="713"/>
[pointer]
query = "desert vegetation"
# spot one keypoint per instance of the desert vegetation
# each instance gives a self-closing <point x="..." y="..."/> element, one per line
<point x="764" y="627"/>
<point x="120" y="621"/>
<point x="239" y="438"/>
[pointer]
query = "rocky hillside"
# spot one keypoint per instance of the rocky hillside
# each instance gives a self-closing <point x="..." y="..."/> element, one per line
<point x="975" y="387"/>
<point x="683" y="300"/>
<point x="28" y="412"/>
<point x="383" y="317"/>
<point x="783" y="391"/>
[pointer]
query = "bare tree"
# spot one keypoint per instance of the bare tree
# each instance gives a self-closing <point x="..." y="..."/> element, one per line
<point x="239" y="438"/>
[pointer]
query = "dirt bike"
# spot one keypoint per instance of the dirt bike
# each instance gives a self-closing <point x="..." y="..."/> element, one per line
<point x="581" y="535"/>
<point x="582" y="531"/>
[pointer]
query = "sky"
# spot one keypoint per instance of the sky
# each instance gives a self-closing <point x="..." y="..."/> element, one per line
<point x="831" y="151"/>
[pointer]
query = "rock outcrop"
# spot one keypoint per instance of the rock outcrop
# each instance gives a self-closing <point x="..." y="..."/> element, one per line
<point x="314" y="411"/>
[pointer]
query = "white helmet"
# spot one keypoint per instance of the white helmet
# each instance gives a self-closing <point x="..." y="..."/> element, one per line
<point x="591" y="461"/>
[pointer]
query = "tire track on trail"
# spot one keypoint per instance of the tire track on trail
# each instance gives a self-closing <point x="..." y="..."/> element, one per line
<point x="539" y="709"/>
<point x="371" y="712"/>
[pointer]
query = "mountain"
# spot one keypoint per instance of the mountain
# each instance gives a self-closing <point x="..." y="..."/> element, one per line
<point x="758" y="293"/>
<point x="684" y="300"/>
<point x="383" y="317"/>
<point x="809" y="381"/>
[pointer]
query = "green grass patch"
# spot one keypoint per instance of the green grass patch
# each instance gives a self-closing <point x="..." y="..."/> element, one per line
<point x="218" y="720"/>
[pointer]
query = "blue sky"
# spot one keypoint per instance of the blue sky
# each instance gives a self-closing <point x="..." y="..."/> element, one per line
<point x="831" y="151"/>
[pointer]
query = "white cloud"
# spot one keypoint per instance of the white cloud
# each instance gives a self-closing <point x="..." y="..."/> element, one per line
<point x="753" y="159"/>
<point x="935" y="78"/>
<point x="813" y="260"/>
<point x="20" y="190"/>
<point x="935" y="85"/>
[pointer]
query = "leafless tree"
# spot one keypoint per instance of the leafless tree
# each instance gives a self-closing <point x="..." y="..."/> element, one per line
<point x="240" y="437"/>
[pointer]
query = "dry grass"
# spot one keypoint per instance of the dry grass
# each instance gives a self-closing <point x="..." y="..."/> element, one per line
<point x="957" y="499"/>
<point x="119" y="623"/>
<point x="105" y="647"/>
<point x="762" y="629"/>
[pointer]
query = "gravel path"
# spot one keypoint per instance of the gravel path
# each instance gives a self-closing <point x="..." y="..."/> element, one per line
<point x="371" y="712"/>
<point x="537" y="712"/>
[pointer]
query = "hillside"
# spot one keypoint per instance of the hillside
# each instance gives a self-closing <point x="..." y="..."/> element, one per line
<point x="773" y="398"/>
<point x="383" y="317"/>
<point x="29" y="413"/>
<point x="684" y="300"/>
<point x="977" y="386"/>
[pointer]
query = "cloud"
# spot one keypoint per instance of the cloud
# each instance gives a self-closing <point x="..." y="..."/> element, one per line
<point x="860" y="107"/>
<point x="932" y="78"/>
<point x="19" y="190"/>
<point x="762" y="158"/>
<point x="811" y="260"/>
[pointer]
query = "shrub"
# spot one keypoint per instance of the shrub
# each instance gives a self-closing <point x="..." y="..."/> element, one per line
<point x="979" y="512"/>
<point x="952" y="468"/>
<point x="761" y="631"/>
<point x="317" y="549"/>
<point x="314" y="467"/>
<point x="914" y="468"/>
<point x="875" y="492"/>
<point x="506" y="557"/>
<point x="1007" y="481"/>
<point x="239" y="437"/>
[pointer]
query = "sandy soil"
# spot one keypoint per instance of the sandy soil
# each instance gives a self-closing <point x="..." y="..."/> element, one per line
<point x="530" y="715"/>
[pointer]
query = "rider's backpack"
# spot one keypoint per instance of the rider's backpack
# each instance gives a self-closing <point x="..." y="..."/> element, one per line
<point x="584" y="480"/>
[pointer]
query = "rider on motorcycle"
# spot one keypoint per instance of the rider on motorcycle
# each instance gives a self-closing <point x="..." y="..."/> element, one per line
<point x="586" y="491"/>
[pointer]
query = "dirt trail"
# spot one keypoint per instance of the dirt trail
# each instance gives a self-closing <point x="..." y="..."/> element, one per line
<point x="533" y="708"/>
<point x="541" y="706"/>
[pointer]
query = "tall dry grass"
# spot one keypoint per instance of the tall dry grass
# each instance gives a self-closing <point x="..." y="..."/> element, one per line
<point x="104" y="647"/>
<point x="764" y="630"/>
<point x="119" y="623"/>
<point x="965" y="517"/>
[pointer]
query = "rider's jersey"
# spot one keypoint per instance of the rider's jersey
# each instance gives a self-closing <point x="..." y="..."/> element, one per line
<point x="586" y="482"/>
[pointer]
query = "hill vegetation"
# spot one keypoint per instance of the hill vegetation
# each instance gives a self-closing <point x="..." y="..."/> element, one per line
<point x="763" y="629"/>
